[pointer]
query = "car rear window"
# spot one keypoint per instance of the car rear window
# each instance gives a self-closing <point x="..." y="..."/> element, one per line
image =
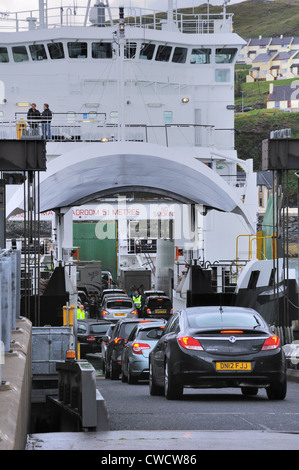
<point x="126" y="329"/>
<point x="147" y="334"/>
<point x="100" y="328"/>
<point x="159" y="303"/>
<point x="225" y="319"/>
<point x="120" y="304"/>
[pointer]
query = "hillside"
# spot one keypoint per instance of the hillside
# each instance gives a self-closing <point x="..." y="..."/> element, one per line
<point x="253" y="18"/>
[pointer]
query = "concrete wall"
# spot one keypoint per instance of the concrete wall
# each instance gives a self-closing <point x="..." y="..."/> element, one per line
<point x="15" y="389"/>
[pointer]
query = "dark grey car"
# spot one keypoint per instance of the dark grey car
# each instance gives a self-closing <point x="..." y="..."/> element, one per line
<point x="206" y="347"/>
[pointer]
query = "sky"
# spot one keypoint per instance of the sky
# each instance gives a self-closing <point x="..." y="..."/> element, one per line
<point x="22" y="5"/>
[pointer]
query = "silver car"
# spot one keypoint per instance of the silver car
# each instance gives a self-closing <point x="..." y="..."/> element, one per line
<point x="135" y="356"/>
<point x="117" y="308"/>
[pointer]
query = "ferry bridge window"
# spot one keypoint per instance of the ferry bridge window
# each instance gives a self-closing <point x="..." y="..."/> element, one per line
<point x="3" y="55"/>
<point x="38" y="52"/>
<point x="101" y="50"/>
<point x="147" y="51"/>
<point x="163" y="53"/>
<point x="56" y="50"/>
<point x="20" y="54"/>
<point x="225" y="55"/>
<point x="77" y="50"/>
<point x="130" y="50"/>
<point x="179" y="55"/>
<point x="200" y="56"/>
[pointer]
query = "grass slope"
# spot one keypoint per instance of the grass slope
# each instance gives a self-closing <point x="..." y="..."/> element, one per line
<point x="258" y="17"/>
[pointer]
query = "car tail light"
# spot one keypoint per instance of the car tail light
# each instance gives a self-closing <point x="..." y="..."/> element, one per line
<point x="171" y="311"/>
<point x="271" y="343"/>
<point x="117" y="340"/>
<point x="190" y="343"/>
<point x="105" y="312"/>
<point x="148" y="310"/>
<point x="139" y="347"/>
<point x="90" y="338"/>
<point x="134" y="312"/>
<point x="231" y="332"/>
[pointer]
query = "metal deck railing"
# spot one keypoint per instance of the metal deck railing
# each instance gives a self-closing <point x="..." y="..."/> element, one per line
<point x="81" y="127"/>
<point x="66" y="15"/>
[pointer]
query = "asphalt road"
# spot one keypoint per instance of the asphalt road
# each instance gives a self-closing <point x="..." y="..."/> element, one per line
<point x="131" y="407"/>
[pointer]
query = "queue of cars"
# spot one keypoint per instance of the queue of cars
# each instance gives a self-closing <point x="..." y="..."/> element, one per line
<point x="198" y="347"/>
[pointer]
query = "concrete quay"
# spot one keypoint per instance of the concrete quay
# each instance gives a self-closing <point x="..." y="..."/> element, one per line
<point x="15" y="389"/>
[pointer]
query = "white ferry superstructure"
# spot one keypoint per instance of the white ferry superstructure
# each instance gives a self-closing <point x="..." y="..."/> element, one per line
<point x="142" y="104"/>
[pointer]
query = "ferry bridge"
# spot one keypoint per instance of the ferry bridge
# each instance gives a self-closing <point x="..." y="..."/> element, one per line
<point x="82" y="175"/>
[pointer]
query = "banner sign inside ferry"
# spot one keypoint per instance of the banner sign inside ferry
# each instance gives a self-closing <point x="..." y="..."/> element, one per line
<point x="115" y="211"/>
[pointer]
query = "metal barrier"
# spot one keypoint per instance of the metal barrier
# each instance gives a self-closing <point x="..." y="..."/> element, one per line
<point x="10" y="282"/>
<point x="78" y="396"/>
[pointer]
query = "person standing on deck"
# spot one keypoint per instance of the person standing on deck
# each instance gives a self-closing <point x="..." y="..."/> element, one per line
<point x="46" y="122"/>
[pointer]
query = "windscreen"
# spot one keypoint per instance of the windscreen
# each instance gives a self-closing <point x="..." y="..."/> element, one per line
<point x="225" y="319"/>
<point x="148" y="334"/>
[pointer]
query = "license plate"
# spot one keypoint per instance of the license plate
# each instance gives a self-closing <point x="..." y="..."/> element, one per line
<point x="242" y="366"/>
<point x="160" y="311"/>
<point x="119" y="314"/>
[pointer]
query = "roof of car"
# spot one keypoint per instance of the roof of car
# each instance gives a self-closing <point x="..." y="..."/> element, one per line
<point x="154" y="324"/>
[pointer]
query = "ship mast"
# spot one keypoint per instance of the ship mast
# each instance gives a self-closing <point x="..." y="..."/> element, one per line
<point x="121" y="80"/>
<point x="43" y="13"/>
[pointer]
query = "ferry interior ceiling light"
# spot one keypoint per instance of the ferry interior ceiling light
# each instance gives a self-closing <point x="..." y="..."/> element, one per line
<point x="185" y="100"/>
<point x="104" y="139"/>
<point x="23" y="105"/>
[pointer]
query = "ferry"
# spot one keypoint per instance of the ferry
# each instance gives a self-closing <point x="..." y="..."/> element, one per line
<point x="141" y="153"/>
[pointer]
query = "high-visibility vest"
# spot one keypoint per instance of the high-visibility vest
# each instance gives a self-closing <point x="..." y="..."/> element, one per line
<point x="80" y="314"/>
<point x="137" y="301"/>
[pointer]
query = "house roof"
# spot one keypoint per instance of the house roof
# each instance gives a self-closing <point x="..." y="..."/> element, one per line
<point x="265" y="178"/>
<point x="264" y="57"/>
<point x="284" y="55"/>
<point x="281" y="93"/>
<point x="259" y="41"/>
<point x="281" y="40"/>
